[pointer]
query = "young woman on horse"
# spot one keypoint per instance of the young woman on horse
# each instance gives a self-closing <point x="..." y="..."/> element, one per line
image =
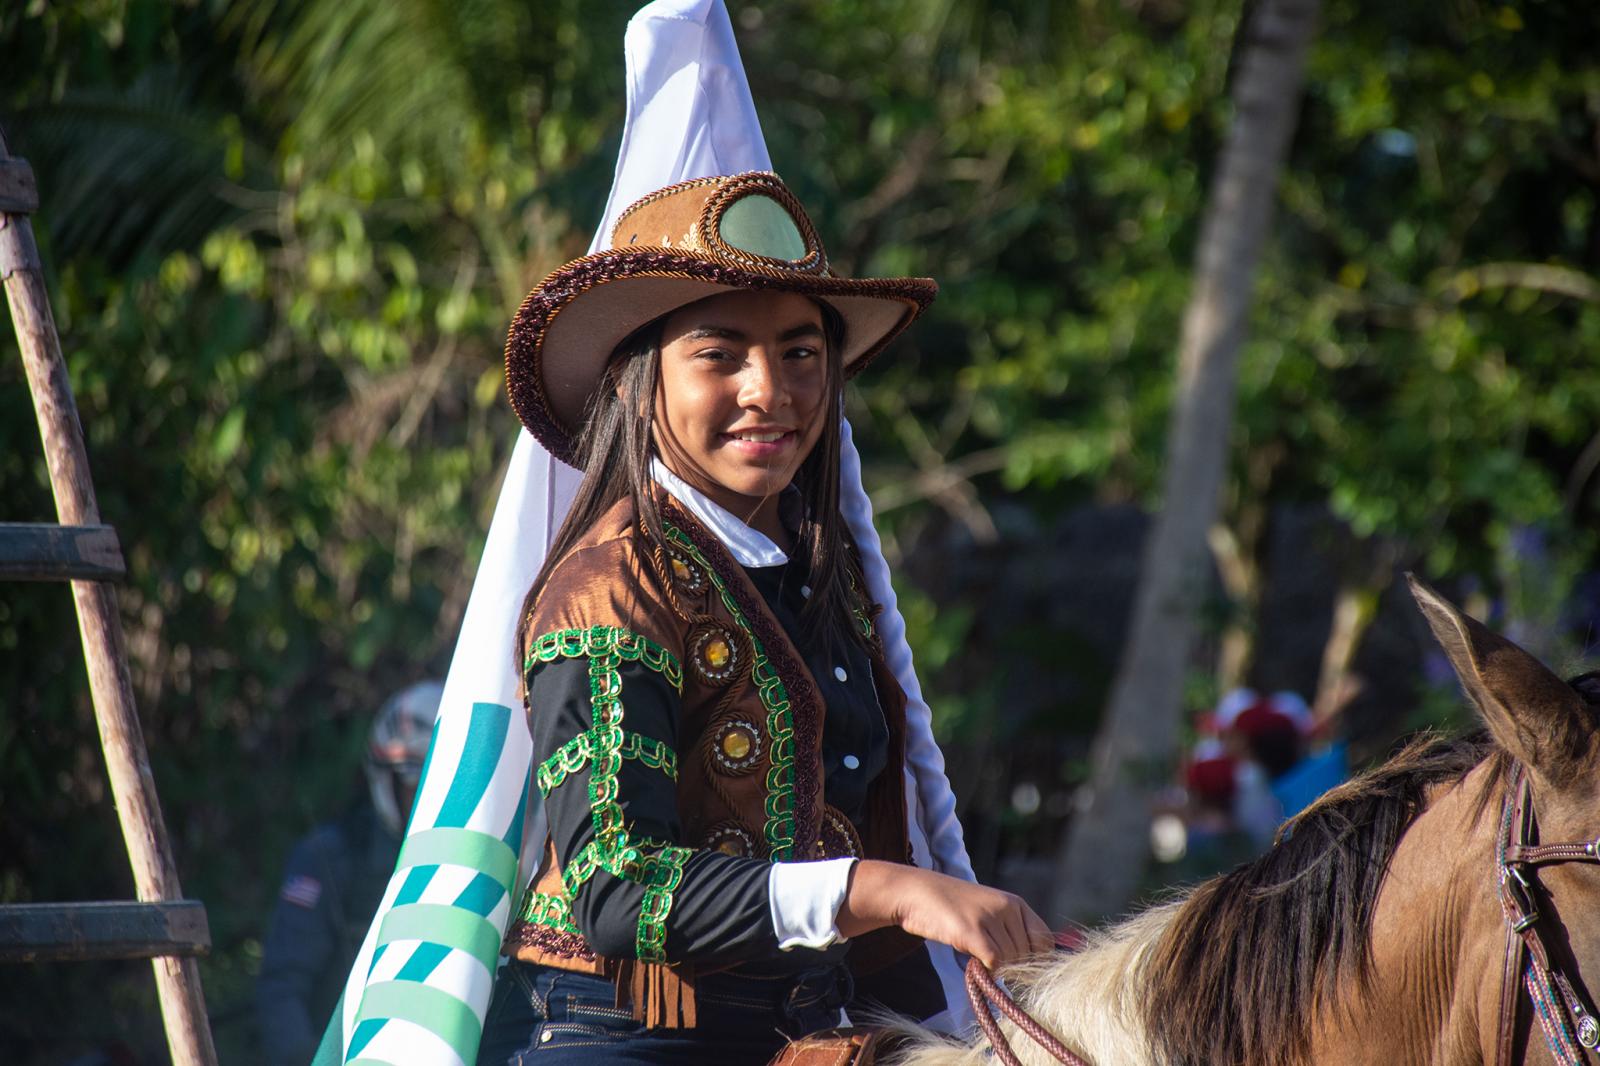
<point x="718" y="741"/>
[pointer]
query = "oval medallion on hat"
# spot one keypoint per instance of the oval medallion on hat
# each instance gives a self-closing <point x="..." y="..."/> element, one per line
<point x="730" y="838"/>
<point x="836" y="837"/>
<point x="737" y="746"/>
<point x="715" y="652"/>
<point x="756" y="219"/>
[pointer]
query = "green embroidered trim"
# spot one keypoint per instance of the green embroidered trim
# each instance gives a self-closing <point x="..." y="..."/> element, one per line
<point x="627" y="863"/>
<point x="663" y="873"/>
<point x="602" y="748"/>
<point x="553" y="912"/>
<point x="575" y="754"/>
<point x="779" y="804"/>
<point x="859" y="609"/>
<point x="604" y="640"/>
<point x="605" y="686"/>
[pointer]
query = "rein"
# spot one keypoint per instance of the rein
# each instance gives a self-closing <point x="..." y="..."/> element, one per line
<point x="1558" y="1001"/>
<point x="983" y="990"/>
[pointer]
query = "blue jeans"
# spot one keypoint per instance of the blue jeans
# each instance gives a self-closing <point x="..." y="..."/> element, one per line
<point x="540" y="1015"/>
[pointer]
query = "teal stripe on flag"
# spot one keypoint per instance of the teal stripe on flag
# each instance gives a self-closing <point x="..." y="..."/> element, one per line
<point x="482" y="895"/>
<point x="486" y="737"/>
<point x="462" y="847"/>
<point x="422" y="962"/>
<point x="440" y="923"/>
<point x="416" y="883"/>
<point x="364" y="1032"/>
<point x="427" y="764"/>
<point x="438" y="1012"/>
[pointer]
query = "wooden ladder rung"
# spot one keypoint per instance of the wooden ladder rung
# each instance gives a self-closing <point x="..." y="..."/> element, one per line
<point x="48" y="552"/>
<point x="76" y="932"/>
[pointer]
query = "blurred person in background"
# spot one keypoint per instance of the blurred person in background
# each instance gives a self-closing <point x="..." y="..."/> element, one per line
<point x="1323" y="762"/>
<point x="333" y="882"/>
<point x="1280" y="768"/>
<point x="1265" y="743"/>
<point x="1256" y="761"/>
<point x="1213" y="840"/>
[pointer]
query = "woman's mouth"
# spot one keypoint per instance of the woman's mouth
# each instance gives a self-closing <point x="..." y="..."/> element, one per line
<point x="758" y="444"/>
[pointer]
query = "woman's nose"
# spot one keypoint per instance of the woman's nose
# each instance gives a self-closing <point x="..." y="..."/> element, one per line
<point x="761" y="386"/>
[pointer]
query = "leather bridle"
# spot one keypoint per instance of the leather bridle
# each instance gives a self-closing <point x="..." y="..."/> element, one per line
<point x="1564" y="1011"/>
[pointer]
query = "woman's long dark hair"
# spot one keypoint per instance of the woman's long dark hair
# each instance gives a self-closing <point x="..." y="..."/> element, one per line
<point x="618" y="442"/>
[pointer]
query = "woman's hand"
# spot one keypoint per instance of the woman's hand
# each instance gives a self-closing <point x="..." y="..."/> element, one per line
<point x="994" y="927"/>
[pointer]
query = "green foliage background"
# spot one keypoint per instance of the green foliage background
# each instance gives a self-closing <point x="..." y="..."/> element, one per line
<point x="285" y="236"/>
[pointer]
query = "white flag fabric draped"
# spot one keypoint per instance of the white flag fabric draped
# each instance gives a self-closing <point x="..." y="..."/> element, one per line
<point x="421" y="983"/>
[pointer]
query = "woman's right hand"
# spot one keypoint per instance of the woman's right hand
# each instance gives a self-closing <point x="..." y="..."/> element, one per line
<point x="994" y="927"/>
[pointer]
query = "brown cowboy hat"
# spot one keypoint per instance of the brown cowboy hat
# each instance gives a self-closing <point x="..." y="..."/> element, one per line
<point x="675" y="246"/>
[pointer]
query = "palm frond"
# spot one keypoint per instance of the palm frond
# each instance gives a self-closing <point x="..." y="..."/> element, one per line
<point x="144" y="170"/>
<point x="397" y="71"/>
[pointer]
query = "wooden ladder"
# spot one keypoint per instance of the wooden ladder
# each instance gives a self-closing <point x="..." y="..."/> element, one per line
<point x="162" y="926"/>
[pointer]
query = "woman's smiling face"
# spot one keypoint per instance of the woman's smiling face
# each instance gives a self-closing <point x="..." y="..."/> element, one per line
<point x="743" y="382"/>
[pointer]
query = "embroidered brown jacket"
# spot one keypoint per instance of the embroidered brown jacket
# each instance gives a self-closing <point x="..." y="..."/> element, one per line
<point x="679" y="823"/>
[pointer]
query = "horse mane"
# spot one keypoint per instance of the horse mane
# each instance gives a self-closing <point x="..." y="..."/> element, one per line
<point x="1238" y="974"/>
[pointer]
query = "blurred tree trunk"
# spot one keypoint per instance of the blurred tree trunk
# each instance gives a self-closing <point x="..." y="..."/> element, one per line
<point x="1105" y="850"/>
<point x="1355" y="605"/>
<point x="1237" y="543"/>
<point x="1233" y="553"/>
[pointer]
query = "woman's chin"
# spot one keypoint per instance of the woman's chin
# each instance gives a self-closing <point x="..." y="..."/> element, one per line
<point x="754" y="487"/>
<point x="753" y="479"/>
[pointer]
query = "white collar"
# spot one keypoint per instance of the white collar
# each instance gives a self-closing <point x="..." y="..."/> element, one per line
<point x="749" y="546"/>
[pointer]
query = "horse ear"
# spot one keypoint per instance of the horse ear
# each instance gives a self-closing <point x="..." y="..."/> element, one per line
<point x="1533" y="714"/>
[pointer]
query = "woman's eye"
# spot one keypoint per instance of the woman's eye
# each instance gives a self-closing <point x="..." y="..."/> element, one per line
<point x="715" y="355"/>
<point x="801" y="353"/>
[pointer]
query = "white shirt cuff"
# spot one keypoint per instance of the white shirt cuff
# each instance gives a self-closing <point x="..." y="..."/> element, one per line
<point x="805" y="898"/>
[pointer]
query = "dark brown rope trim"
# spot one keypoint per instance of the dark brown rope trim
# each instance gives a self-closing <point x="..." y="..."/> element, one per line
<point x="542" y="938"/>
<point x="524" y="341"/>
<point x="805" y="702"/>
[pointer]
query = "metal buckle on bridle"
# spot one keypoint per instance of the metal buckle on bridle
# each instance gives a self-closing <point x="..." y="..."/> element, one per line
<point x="1521" y="892"/>
<point x="1589" y="1032"/>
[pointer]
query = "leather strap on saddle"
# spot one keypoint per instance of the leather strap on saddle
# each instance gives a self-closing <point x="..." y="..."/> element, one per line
<point x="851" y="1046"/>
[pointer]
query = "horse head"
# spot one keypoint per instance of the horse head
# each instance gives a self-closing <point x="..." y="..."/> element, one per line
<point x="1551" y="728"/>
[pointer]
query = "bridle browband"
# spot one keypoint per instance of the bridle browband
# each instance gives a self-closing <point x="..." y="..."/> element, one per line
<point x="1559" y="1002"/>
